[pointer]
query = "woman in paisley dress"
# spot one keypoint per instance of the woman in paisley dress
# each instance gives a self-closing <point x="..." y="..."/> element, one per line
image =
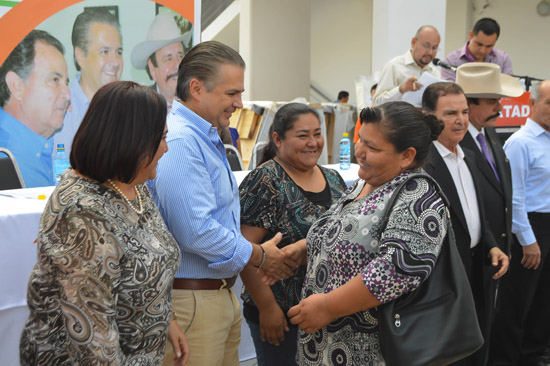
<point x="100" y="293"/>
<point x="352" y="267"/>
<point x="286" y="193"/>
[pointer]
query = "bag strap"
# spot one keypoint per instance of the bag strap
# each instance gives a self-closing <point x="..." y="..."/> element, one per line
<point x="398" y="189"/>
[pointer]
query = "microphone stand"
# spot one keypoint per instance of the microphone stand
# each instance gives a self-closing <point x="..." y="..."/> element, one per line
<point x="528" y="80"/>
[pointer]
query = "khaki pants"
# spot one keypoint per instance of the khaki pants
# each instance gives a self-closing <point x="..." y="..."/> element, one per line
<point x="211" y="320"/>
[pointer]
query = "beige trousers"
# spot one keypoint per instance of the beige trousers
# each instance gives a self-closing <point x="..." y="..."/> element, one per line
<point x="211" y="320"/>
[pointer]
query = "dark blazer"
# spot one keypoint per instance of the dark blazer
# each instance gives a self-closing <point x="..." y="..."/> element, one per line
<point x="496" y="197"/>
<point x="478" y="266"/>
<point x="436" y="167"/>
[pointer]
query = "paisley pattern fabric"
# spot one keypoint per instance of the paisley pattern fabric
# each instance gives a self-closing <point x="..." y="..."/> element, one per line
<point x="271" y="200"/>
<point x="101" y="291"/>
<point x="346" y="241"/>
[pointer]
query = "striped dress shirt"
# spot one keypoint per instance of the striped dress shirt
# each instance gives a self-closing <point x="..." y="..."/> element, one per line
<point x="198" y="197"/>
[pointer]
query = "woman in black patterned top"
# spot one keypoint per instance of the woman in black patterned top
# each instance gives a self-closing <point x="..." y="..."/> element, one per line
<point x="285" y="193"/>
<point x="101" y="291"/>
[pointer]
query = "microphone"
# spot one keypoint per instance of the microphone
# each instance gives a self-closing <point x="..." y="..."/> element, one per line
<point x="438" y="62"/>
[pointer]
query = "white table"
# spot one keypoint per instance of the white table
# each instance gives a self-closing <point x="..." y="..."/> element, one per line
<point x="20" y="212"/>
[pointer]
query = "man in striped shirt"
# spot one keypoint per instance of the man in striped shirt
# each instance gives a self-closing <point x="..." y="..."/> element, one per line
<point x="198" y="198"/>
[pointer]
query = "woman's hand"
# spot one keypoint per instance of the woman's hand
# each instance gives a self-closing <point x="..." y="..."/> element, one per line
<point x="311" y="313"/>
<point x="273" y="324"/>
<point x="179" y="343"/>
<point x="297" y="252"/>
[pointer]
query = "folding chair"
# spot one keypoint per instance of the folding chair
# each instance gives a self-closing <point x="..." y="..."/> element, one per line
<point x="10" y="175"/>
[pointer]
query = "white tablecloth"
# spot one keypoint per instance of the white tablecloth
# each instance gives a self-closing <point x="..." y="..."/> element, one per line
<point x="20" y="212"/>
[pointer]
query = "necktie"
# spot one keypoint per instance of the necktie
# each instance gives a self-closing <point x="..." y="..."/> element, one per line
<point x="481" y="139"/>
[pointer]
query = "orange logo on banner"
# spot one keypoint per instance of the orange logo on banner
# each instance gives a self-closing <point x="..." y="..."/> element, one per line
<point x="514" y="110"/>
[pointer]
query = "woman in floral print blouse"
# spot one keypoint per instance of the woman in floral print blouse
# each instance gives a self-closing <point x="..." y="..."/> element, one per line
<point x="352" y="267"/>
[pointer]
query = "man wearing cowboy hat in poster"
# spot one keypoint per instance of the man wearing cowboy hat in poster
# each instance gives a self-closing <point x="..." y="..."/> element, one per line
<point x="161" y="53"/>
<point x="484" y="85"/>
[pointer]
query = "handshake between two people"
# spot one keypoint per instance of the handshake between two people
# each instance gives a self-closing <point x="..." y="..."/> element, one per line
<point x="278" y="263"/>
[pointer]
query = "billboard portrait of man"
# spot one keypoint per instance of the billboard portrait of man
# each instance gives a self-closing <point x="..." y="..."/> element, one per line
<point x="34" y="98"/>
<point x="97" y="51"/>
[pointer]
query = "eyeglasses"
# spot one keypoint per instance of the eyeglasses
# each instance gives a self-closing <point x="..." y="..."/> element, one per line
<point x="428" y="47"/>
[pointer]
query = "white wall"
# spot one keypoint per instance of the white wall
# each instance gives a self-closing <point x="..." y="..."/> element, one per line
<point x="395" y="23"/>
<point x="341" y="36"/>
<point x="523" y="34"/>
<point x="275" y="44"/>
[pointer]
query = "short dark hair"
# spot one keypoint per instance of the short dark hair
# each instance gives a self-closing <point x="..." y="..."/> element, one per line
<point x="405" y="126"/>
<point x="82" y="24"/>
<point x="343" y="94"/>
<point x="488" y="26"/>
<point x="113" y="142"/>
<point x="203" y="63"/>
<point x="472" y="100"/>
<point x="434" y="91"/>
<point x="153" y="59"/>
<point x="282" y="122"/>
<point x="373" y="87"/>
<point x="21" y="59"/>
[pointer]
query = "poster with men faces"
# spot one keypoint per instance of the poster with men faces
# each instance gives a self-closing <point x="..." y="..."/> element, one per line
<point x="55" y="54"/>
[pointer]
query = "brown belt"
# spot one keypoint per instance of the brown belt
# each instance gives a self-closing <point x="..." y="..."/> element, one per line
<point x="203" y="283"/>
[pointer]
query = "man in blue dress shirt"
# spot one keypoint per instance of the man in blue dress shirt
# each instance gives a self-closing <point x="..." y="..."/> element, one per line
<point x="33" y="98"/>
<point x="198" y="197"/>
<point x="522" y="326"/>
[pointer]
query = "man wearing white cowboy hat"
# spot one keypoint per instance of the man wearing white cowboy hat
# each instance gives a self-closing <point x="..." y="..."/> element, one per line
<point x="161" y="53"/>
<point x="484" y="85"/>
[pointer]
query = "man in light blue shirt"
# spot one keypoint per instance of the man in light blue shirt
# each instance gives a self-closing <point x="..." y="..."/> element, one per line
<point x="521" y="330"/>
<point x="97" y="50"/>
<point x="33" y="98"/>
<point x="198" y="197"/>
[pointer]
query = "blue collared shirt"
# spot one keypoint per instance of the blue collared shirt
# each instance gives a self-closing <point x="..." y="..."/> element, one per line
<point x="73" y="117"/>
<point x="527" y="150"/>
<point x="32" y="152"/>
<point x="198" y="197"/>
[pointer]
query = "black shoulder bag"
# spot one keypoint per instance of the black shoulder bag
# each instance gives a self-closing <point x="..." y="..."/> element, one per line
<point x="436" y="324"/>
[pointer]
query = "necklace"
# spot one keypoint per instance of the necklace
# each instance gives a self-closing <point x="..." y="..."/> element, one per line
<point x="140" y="211"/>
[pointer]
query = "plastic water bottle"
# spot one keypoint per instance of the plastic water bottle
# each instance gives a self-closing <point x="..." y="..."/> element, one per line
<point x="60" y="162"/>
<point x="345" y="152"/>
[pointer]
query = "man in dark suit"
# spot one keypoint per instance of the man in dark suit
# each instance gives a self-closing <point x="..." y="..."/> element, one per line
<point x="457" y="172"/>
<point x="484" y="85"/>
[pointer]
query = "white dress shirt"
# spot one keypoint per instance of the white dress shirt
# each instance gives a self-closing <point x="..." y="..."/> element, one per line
<point x="465" y="187"/>
<point x="395" y="72"/>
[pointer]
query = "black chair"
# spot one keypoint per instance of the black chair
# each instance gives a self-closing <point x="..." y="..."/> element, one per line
<point x="10" y="176"/>
<point x="234" y="158"/>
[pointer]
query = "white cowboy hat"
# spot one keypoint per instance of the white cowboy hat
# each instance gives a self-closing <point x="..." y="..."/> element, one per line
<point x="162" y="32"/>
<point x="484" y="80"/>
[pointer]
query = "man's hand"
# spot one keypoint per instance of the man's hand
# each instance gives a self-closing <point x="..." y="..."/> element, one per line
<point x="409" y="85"/>
<point x="273" y="324"/>
<point x="277" y="265"/>
<point x="531" y="256"/>
<point x="499" y="260"/>
<point x="179" y="343"/>
<point x="311" y="314"/>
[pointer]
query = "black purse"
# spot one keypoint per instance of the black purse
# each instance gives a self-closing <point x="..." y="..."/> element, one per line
<point x="436" y="324"/>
